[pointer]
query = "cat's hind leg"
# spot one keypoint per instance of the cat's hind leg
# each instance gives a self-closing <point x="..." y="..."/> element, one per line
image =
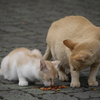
<point x="62" y="72"/>
<point x="22" y="79"/>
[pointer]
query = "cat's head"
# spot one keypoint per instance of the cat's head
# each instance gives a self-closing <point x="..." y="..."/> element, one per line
<point x="48" y="72"/>
<point x="81" y="54"/>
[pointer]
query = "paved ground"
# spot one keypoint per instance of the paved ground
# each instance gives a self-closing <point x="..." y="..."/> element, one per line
<point x="24" y="23"/>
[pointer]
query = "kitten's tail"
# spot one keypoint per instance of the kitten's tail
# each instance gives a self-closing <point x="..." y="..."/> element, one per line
<point x="37" y="53"/>
<point x="0" y="72"/>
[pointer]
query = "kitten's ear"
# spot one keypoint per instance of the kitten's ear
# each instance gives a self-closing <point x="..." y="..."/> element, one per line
<point x="55" y="63"/>
<point x="43" y="66"/>
<point x="82" y="57"/>
<point x="70" y="44"/>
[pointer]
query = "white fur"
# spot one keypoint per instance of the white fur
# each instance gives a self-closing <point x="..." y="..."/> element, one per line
<point x="37" y="52"/>
<point x="12" y="71"/>
<point x="23" y="65"/>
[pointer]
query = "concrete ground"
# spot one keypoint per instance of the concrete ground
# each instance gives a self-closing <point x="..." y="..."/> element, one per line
<point x="24" y="23"/>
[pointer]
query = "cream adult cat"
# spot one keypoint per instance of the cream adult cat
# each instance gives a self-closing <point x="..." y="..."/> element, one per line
<point x="25" y="65"/>
<point x="75" y="41"/>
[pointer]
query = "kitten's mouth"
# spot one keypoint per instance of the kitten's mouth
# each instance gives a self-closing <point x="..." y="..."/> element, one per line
<point x="48" y="84"/>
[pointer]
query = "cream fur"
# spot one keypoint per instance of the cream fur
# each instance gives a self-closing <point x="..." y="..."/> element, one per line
<point x="75" y="41"/>
<point x="25" y="65"/>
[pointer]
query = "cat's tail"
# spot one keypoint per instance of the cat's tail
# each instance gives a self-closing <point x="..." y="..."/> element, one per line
<point x="47" y="55"/>
<point x="37" y="53"/>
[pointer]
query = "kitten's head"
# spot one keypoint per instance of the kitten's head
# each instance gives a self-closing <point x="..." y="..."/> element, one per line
<point x="82" y="54"/>
<point x="48" y="72"/>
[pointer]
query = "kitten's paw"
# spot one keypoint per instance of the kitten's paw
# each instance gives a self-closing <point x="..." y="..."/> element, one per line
<point x="93" y="83"/>
<point x="23" y="83"/>
<point x="75" y="84"/>
<point x="63" y="77"/>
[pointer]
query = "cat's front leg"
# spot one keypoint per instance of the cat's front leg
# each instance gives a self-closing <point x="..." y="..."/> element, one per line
<point x="74" y="78"/>
<point x="22" y="80"/>
<point x="92" y="76"/>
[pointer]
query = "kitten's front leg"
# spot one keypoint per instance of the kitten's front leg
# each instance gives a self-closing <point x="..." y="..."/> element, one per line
<point x="22" y="80"/>
<point x="92" y="76"/>
<point x="74" y="78"/>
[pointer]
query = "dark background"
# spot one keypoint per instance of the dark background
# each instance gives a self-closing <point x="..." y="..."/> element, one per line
<point x="25" y="23"/>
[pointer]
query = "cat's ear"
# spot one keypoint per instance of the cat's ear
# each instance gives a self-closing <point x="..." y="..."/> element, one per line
<point x="55" y="63"/>
<point x="81" y="57"/>
<point x="43" y="66"/>
<point x="69" y="43"/>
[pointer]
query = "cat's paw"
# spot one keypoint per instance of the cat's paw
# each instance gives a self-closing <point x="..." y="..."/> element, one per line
<point x="23" y="83"/>
<point x="93" y="83"/>
<point x="63" y="77"/>
<point x="75" y="84"/>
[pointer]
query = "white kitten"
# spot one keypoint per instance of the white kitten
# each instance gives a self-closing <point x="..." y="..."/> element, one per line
<point x="25" y="65"/>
